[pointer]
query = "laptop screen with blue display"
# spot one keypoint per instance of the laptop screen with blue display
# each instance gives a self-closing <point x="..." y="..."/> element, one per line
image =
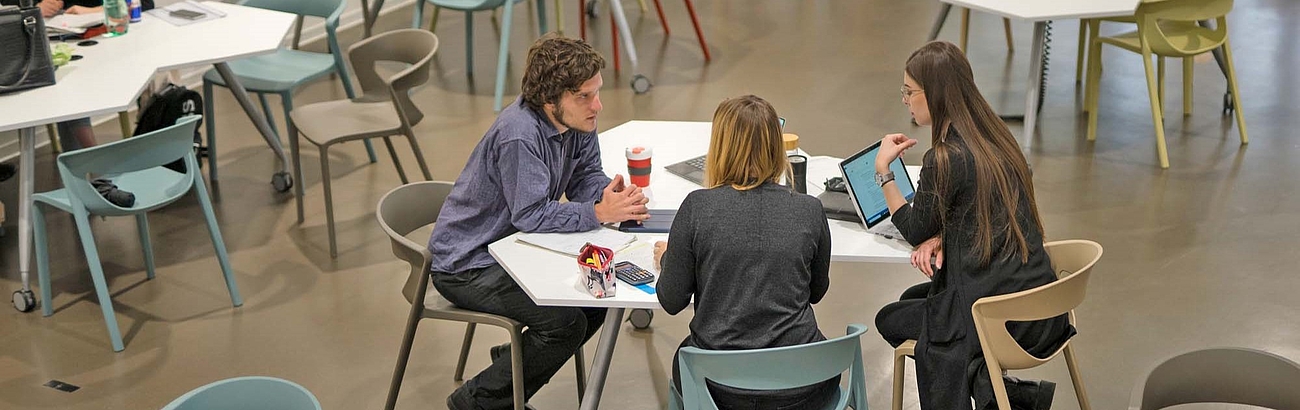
<point x="860" y="176"/>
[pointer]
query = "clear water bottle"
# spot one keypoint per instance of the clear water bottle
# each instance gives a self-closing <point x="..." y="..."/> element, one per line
<point x="117" y="16"/>
<point x="135" y="10"/>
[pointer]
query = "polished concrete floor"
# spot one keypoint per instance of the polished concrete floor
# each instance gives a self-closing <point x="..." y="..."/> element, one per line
<point x="1196" y="255"/>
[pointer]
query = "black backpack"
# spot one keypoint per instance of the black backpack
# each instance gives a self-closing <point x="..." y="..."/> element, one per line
<point x="167" y="106"/>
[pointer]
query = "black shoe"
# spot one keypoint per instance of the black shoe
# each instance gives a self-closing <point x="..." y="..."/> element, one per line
<point x="1029" y="395"/>
<point x="496" y="352"/>
<point x="461" y="399"/>
<point x="7" y="171"/>
<point x="114" y="196"/>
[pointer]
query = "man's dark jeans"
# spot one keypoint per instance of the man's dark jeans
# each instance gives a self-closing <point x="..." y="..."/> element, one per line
<point x="551" y="335"/>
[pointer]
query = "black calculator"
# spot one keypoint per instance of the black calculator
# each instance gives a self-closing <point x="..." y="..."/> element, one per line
<point x="632" y="274"/>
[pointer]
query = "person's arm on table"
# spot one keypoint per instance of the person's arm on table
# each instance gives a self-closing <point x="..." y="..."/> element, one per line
<point x="525" y="180"/>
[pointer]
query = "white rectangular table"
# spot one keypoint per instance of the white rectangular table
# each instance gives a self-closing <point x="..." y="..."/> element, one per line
<point x="550" y="278"/>
<point x="1040" y="13"/>
<point x="114" y="72"/>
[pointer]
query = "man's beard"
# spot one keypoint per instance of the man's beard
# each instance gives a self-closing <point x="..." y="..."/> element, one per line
<point x="558" y="113"/>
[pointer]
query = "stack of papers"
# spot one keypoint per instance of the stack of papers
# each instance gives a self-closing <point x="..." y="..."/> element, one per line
<point x="572" y="243"/>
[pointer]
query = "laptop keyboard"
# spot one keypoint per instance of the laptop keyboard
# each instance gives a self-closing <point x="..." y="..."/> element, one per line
<point x="698" y="163"/>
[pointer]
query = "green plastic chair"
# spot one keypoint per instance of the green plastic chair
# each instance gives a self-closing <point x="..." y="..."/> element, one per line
<point x="241" y="393"/>
<point x="469" y="7"/>
<point x="773" y="369"/>
<point x="135" y="165"/>
<point x="282" y="72"/>
<point x="1168" y="29"/>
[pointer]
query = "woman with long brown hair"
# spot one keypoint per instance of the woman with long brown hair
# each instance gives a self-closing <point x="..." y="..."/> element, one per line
<point x="977" y="232"/>
<point x="755" y="255"/>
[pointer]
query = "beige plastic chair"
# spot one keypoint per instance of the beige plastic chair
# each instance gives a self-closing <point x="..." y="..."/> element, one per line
<point x="1073" y="261"/>
<point x="384" y="109"/>
<point x="1223" y="375"/>
<point x="1168" y="29"/>
<point x="402" y="211"/>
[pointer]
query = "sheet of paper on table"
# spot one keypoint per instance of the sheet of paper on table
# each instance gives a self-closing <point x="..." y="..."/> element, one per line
<point x="571" y="243"/>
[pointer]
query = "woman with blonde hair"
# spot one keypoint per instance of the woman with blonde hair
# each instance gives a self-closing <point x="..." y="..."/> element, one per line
<point x="755" y="255"/>
<point x="976" y="227"/>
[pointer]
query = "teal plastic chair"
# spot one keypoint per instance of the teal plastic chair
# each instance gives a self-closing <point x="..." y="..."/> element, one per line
<point x="469" y="7"/>
<point x="242" y="393"/>
<point x="134" y="165"/>
<point x="282" y="72"/>
<point x="773" y="369"/>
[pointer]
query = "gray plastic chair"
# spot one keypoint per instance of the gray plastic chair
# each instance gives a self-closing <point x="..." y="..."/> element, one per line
<point x="1221" y="375"/>
<point x="254" y="392"/>
<point x="402" y="211"/>
<point x="384" y="109"/>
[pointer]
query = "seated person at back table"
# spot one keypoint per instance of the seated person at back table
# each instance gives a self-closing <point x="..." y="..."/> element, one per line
<point x="542" y="146"/>
<point x="51" y="8"/>
<point x="753" y="253"/>
<point x="975" y="213"/>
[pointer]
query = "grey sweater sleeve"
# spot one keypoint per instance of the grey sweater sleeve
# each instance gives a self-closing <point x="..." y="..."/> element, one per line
<point x="821" y="264"/>
<point x="677" y="276"/>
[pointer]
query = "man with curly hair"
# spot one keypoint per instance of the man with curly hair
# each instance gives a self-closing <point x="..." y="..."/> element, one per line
<point x="541" y="147"/>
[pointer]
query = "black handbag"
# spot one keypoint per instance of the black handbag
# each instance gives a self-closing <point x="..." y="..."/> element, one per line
<point x="24" y="50"/>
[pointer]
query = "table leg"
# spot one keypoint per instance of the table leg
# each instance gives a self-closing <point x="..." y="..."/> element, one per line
<point x="1035" y="82"/>
<point x="604" y="354"/>
<point x="232" y="82"/>
<point x="26" y="184"/>
<point x="1218" y="52"/>
<point x="620" y="19"/>
<point x="944" y="8"/>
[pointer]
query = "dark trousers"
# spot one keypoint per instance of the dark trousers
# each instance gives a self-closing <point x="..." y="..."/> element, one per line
<point x="900" y="321"/>
<point x="551" y="336"/>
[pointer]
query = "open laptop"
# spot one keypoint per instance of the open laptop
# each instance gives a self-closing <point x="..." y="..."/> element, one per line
<point x="859" y="173"/>
<point x="693" y="169"/>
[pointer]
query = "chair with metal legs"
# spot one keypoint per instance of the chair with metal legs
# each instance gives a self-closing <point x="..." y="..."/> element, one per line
<point x="402" y="211"/>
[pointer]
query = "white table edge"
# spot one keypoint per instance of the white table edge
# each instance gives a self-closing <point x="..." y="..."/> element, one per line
<point x="1098" y="14"/>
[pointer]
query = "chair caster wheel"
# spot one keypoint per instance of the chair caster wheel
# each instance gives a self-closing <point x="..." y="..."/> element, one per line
<point x="640" y="318"/>
<point x="282" y="181"/>
<point x="640" y="84"/>
<point x="24" y="301"/>
<point x="1227" y="103"/>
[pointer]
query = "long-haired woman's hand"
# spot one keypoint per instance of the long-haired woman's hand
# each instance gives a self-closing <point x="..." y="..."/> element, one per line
<point x="931" y="248"/>
<point x="892" y="147"/>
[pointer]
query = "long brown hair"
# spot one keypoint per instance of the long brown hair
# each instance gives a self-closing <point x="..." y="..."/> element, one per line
<point x="1001" y="172"/>
<point x="746" y="148"/>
